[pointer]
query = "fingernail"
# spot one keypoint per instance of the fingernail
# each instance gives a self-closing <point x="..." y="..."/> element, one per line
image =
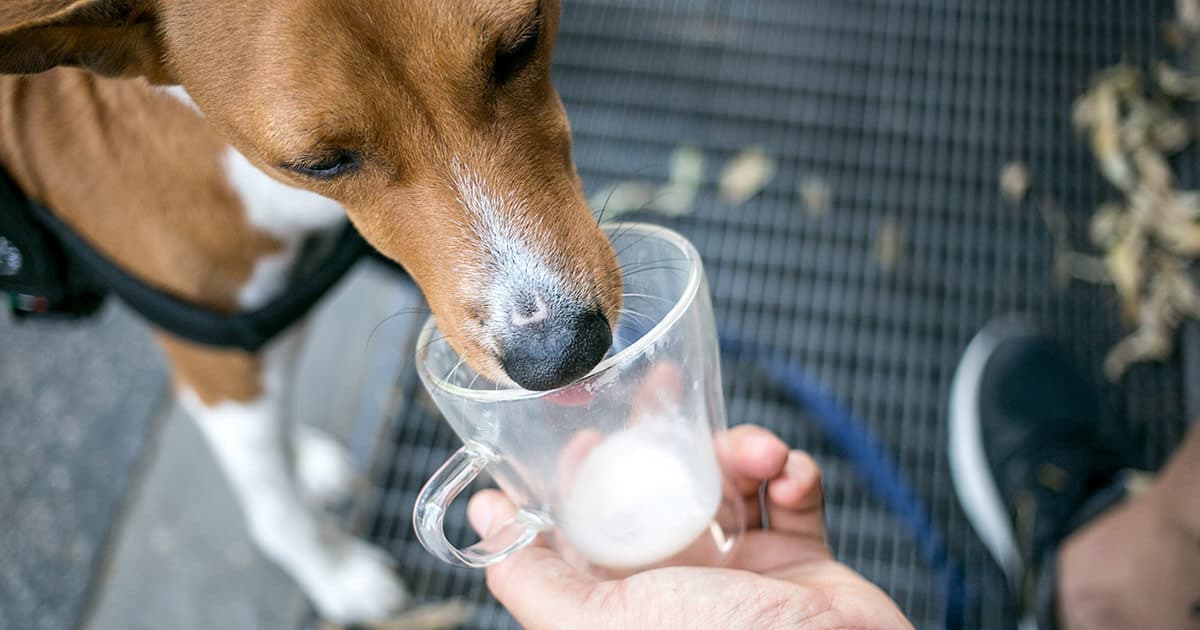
<point x="797" y="468"/>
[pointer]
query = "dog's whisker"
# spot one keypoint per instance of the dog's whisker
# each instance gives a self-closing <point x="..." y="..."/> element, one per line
<point x="658" y="261"/>
<point x="625" y="247"/>
<point x="648" y="297"/>
<point x="613" y="189"/>
<point x="633" y="268"/>
<point x="641" y="316"/>
<point x="406" y="311"/>
<point x="454" y="369"/>
<point x="438" y="337"/>
<point x="627" y="273"/>
<point x="604" y="206"/>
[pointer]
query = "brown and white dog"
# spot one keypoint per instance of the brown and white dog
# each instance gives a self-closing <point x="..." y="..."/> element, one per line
<point x="197" y="142"/>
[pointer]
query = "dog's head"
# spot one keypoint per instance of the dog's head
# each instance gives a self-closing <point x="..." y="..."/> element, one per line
<point x="434" y="124"/>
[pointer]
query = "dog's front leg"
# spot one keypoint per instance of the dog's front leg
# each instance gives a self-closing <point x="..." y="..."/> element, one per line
<point x="240" y="403"/>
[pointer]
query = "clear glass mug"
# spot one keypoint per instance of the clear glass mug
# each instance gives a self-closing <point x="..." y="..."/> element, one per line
<point x="620" y="468"/>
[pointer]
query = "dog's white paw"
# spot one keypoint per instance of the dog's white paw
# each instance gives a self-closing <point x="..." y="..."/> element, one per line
<point x="323" y="466"/>
<point x="360" y="587"/>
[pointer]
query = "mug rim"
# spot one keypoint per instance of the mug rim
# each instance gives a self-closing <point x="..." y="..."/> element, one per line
<point x="687" y="297"/>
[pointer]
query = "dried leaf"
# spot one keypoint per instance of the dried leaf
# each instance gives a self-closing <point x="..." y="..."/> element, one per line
<point x="1175" y="83"/>
<point x="815" y="194"/>
<point x="1056" y="224"/>
<point x="686" y="176"/>
<point x="1170" y="135"/>
<point x="1152" y="236"/>
<point x="1083" y="112"/>
<point x="1124" y="262"/>
<point x="1014" y="181"/>
<point x="1185" y="204"/>
<point x="1178" y="234"/>
<point x="1187" y="15"/>
<point x="1145" y="344"/>
<point x="1071" y="265"/>
<point x="1153" y="170"/>
<point x="1151" y="124"/>
<point x="1083" y="267"/>
<point x="745" y="175"/>
<point x="687" y="165"/>
<point x="623" y="198"/>
<point x="1106" y="139"/>
<point x="1108" y="223"/>
<point x="1153" y="339"/>
<point x="673" y="201"/>
<point x="889" y="244"/>
<point x="1123" y="79"/>
<point x="436" y="616"/>
<point x="1182" y="293"/>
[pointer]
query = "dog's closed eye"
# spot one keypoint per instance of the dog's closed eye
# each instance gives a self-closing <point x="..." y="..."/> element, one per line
<point x="326" y="166"/>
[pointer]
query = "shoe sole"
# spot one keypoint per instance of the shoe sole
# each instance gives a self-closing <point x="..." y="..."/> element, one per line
<point x="973" y="481"/>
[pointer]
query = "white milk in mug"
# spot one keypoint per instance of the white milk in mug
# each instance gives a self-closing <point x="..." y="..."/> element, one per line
<point x="642" y="495"/>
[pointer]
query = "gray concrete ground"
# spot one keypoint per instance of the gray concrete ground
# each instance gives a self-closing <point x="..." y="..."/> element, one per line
<point x="179" y="557"/>
<point x="78" y="407"/>
<point x="182" y="558"/>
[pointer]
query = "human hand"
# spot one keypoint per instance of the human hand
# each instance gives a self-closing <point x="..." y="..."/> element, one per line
<point x="784" y="576"/>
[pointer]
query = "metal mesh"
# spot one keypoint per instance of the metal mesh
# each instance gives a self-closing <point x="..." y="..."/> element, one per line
<point x="908" y="110"/>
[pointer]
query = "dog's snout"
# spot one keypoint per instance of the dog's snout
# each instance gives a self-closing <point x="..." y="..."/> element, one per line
<point x="530" y="309"/>
<point x="545" y="349"/>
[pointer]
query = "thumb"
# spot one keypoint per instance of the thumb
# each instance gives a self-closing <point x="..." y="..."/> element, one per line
<point x="535" y="584"/>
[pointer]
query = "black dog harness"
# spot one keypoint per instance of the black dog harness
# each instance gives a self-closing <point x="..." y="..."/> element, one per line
<point x="49" y="270"/>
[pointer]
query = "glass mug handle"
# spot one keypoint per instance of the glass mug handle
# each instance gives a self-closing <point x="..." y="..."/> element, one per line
<point x="440" y="491"/>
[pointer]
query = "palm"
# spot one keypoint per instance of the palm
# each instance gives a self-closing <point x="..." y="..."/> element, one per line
<point x="802" y="587"/>
<point x="784" y="576"/>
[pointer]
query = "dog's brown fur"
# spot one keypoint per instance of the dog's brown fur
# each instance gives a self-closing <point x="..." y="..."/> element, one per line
<point x="404" y="83"/>
<point x="450" y="157"/>
<point x="156" y="203"/>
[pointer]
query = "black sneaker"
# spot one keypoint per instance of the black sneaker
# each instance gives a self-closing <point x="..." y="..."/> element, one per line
<point x="1030" y="455"/>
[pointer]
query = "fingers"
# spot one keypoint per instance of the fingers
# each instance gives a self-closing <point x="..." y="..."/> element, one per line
<point x="487" y="509"/>
<point x="795" y="502"/>
<point x="795" y="510"/>
<point x="749" y="455"/>
<point x="535" y="584"/>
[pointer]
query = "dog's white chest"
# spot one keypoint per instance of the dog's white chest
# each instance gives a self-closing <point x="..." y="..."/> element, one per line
<point x="279" y="209"/>
<point x="283" y="211"/>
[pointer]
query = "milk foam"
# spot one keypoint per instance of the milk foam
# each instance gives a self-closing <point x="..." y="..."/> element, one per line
<point x="642" y="495"/>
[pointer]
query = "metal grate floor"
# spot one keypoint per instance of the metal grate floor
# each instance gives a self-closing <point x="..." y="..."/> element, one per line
<point x="908" y="109"/>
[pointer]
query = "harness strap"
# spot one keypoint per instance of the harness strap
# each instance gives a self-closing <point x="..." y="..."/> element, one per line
<point x="249" y="330"/>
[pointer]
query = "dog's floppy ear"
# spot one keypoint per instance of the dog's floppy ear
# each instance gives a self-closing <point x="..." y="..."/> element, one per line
<point x="109" y="37"/>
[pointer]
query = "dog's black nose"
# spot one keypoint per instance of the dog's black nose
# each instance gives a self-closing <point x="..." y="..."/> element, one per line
<point x="544" y="350"/>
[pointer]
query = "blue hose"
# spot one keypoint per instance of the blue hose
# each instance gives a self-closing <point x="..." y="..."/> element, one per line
<point x="850" y="437"/>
